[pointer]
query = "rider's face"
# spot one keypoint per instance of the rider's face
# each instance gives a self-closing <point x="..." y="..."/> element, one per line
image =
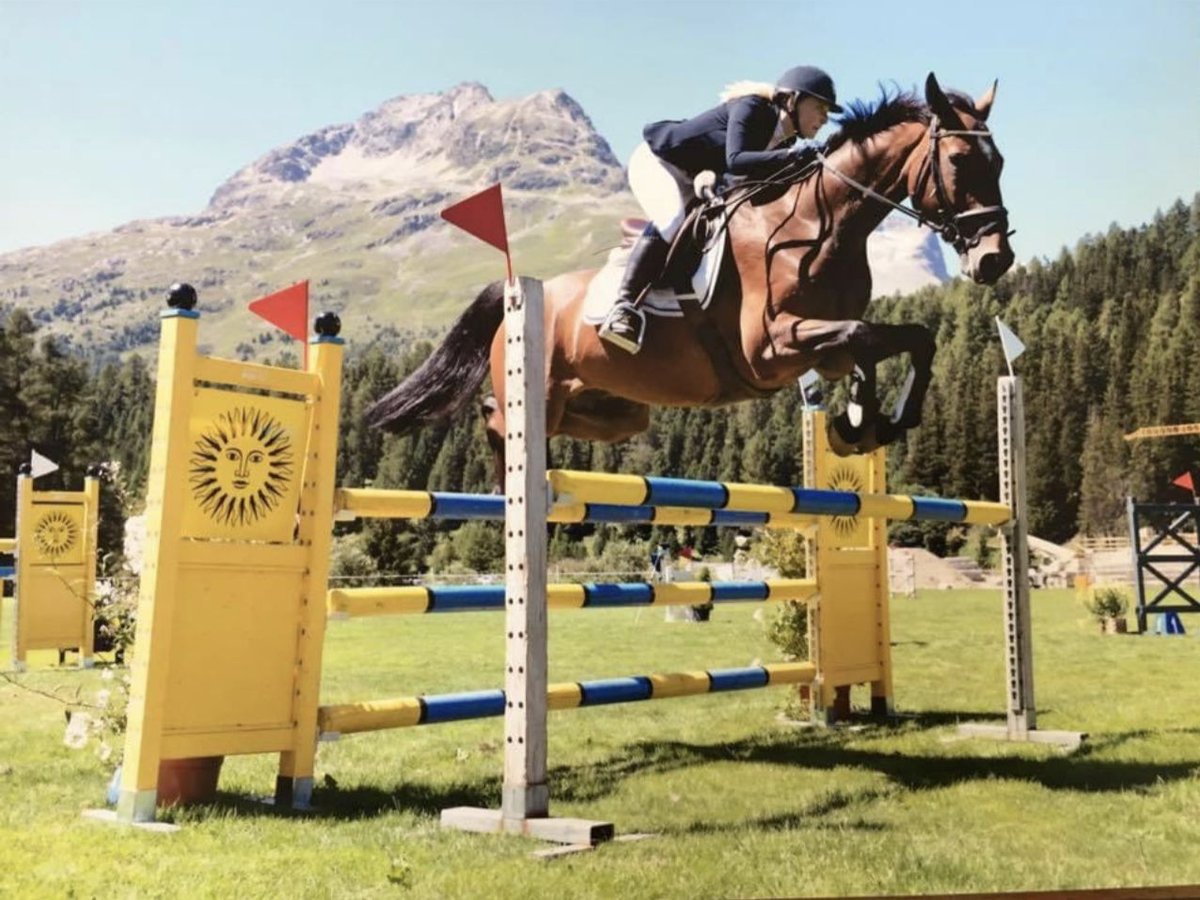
<point x="811" y="114"/>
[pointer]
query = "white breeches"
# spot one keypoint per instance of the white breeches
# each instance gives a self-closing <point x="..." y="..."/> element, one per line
<point x="662" y="189"/>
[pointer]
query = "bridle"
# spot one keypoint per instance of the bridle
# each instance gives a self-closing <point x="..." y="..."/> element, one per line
<point x="962" y="230"/>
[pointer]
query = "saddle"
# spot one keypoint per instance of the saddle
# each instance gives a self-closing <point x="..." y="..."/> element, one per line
<point x="689" y="278"/>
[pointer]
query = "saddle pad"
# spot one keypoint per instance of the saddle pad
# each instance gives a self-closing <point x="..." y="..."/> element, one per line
<point x="602" y="292"/>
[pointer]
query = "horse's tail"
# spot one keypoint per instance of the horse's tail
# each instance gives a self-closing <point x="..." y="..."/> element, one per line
<point x="448" y="378"/>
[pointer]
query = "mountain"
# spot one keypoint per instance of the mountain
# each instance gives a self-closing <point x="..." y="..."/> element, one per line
<point x="904" y="257"/>
<point x="352" y="208"/>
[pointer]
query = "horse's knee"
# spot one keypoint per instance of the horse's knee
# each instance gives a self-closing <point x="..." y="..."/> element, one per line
<point x="834" y="365"/>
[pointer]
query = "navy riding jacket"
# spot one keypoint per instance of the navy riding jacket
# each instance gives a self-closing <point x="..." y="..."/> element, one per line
<point x="730" y="138"/>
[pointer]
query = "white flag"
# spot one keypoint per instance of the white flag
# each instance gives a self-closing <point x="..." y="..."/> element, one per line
<point x="39" y="465"/>
<point x="1010" y="342"/>
<point x="807" y="380"/>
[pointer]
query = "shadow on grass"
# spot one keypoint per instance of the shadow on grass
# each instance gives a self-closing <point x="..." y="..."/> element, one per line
<point x="809" y="818"/>
<point x="812" y="749"/>
<point x="827" y="750"/>
<point x="331" y="801"/>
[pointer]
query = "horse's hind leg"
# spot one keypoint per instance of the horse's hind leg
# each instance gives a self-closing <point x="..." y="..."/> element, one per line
<point x="493" y="426"/>
<point x="492" y="410"/>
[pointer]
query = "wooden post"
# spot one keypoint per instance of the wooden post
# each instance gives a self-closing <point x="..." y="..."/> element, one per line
<point x="525" y="800"/>
<point x="294" y="783"/>
<point x="24" y="510"/>
<point x="526" y="794"/>
<point x="158" y="589"/>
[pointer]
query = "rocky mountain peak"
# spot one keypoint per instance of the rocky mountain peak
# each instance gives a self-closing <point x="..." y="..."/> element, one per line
<point x="462" y="135"/>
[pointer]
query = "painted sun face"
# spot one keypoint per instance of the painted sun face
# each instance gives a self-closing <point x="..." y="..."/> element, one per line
<point x="240" y="467"/>
<point x="55" y="534"/>
<point x="844" y="478"/>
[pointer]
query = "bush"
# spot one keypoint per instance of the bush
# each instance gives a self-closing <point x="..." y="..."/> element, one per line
<point x="476" y="546"/>
<point x="352" y="562"/>
<point x="783" y="550"/>
<point x="980" y="547"/>
<point x="1107" y="603"/>
<point x="788" y="630"/>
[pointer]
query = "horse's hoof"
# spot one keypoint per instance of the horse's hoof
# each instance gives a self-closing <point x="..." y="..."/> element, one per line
<point x="841" y="435"/>
<point x="846" y="439"/>
<point x="887" y="431"/>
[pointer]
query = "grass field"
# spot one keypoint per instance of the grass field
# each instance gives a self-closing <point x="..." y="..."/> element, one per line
<point x="739" y="803"/>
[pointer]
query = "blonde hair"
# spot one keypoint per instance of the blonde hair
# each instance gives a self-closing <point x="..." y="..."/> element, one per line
<point x="748" y="89"/>
<point x="767" y="91"/>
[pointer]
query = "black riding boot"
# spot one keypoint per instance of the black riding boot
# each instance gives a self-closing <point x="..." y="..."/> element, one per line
<point x="625" y="324"/>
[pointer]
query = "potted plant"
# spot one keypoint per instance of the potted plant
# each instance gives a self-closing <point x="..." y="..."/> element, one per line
<point x="1108" y="606"/>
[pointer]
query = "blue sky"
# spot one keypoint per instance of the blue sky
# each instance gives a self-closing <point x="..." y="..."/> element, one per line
<point x="114" y="111"/>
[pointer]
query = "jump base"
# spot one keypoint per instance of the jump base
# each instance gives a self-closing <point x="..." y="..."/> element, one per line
<point x="584" y="833"/>
<point x="1068" y="740"/>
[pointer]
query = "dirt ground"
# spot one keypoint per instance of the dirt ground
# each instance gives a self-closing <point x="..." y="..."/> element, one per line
<point x="913" y="567"/>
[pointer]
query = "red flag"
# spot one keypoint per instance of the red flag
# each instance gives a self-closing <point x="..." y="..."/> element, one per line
<point x="482" y="215"/>
<point x="1185" y="482"/>
<point x="286" y="309"/>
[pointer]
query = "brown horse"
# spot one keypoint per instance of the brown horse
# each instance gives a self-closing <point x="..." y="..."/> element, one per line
<point x="795" y="302"/>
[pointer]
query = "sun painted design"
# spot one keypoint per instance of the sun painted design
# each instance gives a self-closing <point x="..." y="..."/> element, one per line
<point x="845" y="478"/>
<point x="55" y="534"/>
<point x="241" y="466"/>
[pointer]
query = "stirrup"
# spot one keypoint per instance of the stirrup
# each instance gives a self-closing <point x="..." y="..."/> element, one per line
<point x="624" y="327"/>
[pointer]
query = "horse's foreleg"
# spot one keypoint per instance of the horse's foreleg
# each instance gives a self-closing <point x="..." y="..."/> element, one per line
<point x="921" y="347"/>
<point x="876" y="343"/>
<point x="852" y="347"/>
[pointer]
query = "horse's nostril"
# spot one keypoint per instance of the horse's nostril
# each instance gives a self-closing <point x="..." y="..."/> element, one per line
<point x="991" y="267"/>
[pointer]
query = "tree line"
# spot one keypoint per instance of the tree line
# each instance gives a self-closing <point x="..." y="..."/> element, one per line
<point x="1112" y="329"/>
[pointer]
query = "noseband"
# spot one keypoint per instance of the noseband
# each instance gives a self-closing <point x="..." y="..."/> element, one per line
<point x="947" y="222"/>
<point x="962" y="230"/>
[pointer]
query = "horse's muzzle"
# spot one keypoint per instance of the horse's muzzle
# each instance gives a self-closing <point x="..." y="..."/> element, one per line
<point x="987" y="267"/>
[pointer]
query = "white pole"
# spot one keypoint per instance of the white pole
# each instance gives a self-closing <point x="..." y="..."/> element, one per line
<point x="526" y="794"/>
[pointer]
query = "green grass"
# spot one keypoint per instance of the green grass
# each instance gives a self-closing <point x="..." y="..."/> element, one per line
<point x="740" y="803"/>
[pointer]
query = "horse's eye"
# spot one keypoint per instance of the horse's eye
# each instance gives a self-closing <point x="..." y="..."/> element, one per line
<point x="959" y="158"/>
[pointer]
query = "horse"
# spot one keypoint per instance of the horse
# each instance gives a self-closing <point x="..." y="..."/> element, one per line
<point x="792" y="301"/>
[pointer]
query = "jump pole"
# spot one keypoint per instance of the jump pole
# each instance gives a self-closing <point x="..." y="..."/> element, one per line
<point x="525" y="798"/>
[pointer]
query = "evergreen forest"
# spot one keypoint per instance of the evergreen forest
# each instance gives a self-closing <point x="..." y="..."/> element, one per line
<point x="1112" y="329"/>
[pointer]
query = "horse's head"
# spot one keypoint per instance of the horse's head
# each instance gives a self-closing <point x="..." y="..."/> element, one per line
<point x="958" y="189"/>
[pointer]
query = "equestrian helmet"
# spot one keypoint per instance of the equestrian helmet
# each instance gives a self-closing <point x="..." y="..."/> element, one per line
<point x="812" y="81"/>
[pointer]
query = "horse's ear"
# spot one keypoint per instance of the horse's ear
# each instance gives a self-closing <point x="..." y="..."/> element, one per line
<point x="940" y="103"/>
<point x="983" y="105"/>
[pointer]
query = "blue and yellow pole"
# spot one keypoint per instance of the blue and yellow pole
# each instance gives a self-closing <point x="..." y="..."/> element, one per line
<point x="642" y="490"/>
<point x="405" y="712"/>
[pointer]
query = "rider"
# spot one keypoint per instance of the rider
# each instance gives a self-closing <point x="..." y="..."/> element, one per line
<point x="746" y="135"/>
